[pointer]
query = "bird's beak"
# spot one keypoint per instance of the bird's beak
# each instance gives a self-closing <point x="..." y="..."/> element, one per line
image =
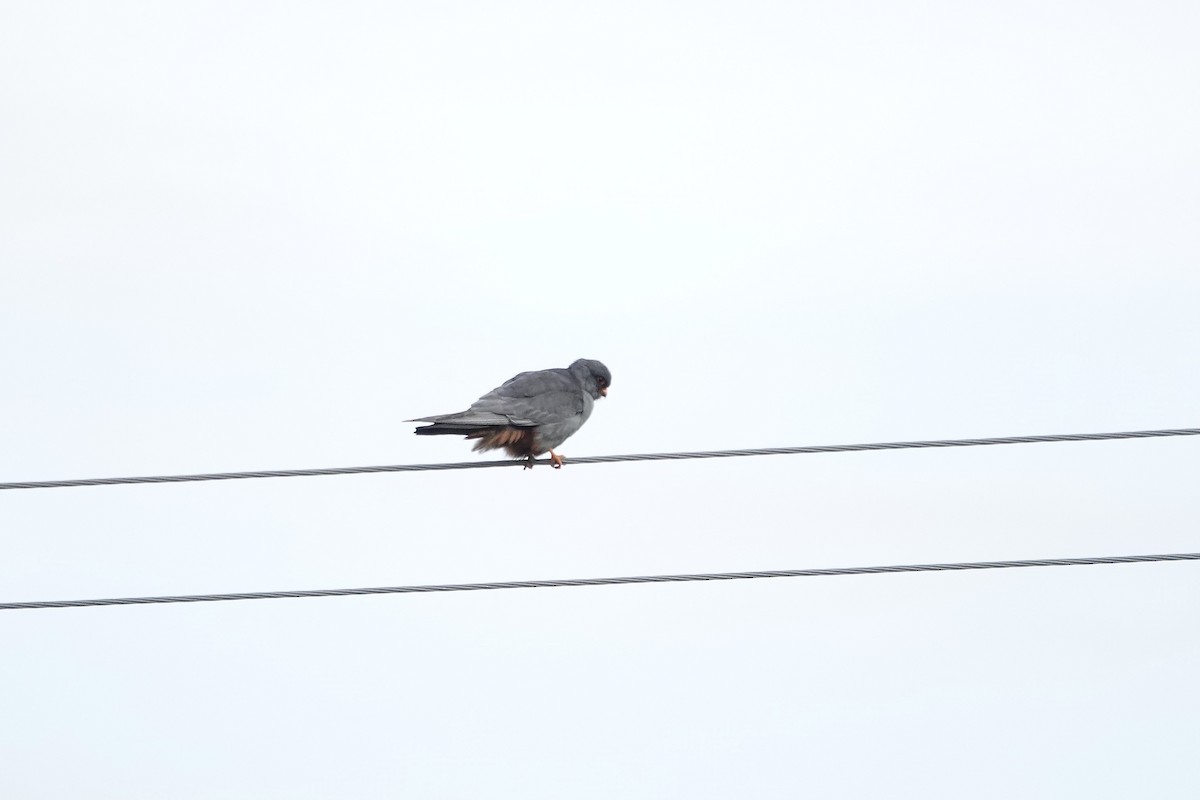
<point x="604" y="392"/>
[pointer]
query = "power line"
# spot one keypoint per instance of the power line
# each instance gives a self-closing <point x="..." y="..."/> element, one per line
<point x="704" y="576"/>
<point x="762" y="451"/>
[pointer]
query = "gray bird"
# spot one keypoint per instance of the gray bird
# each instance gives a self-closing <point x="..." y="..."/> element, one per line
<point x="529" y="414"/>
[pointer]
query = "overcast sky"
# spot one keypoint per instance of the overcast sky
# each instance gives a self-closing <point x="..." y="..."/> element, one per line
<point x="240" y="236"/>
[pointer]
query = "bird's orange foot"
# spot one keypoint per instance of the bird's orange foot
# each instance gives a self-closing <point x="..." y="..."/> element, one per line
<point x="556" y="460"/>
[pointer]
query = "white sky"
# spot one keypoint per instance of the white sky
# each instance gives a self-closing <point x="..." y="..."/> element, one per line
<point x="261" y="235"/>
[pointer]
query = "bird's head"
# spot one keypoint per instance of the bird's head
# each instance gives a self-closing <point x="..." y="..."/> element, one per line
<point x="595" y="376"/>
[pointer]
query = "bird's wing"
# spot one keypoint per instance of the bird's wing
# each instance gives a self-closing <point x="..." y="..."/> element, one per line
<point x="544" y="397"/>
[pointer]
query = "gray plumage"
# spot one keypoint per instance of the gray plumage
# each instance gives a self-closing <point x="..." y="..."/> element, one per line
<point x="530" y="414"/>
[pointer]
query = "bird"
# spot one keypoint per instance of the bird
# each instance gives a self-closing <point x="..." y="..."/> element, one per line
<point x="530" y="414"/>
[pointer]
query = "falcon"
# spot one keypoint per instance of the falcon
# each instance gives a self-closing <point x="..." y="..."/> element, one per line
<point x="530" y="414"/>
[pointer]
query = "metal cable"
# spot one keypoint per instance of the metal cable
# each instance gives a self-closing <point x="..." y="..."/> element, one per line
<point x="707" y="576"/>
<point x="761" y="451"/>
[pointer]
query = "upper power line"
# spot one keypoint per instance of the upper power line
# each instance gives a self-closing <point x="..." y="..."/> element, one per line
<point x="760" y="451"/>
<point x="537" y="584"/>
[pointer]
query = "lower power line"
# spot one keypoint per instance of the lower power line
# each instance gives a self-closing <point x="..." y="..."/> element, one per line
<point x="543" y="584"/>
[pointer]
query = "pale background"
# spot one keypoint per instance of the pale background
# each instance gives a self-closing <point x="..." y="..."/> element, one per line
<point x="261" y="235"/>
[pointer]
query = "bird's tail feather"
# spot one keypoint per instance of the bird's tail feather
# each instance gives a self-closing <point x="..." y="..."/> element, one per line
<point x="465" y="418"/>
<point x="466" y="422"/>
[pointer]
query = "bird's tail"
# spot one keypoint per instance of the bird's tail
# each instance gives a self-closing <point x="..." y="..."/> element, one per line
<point x="466" y="422"/>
